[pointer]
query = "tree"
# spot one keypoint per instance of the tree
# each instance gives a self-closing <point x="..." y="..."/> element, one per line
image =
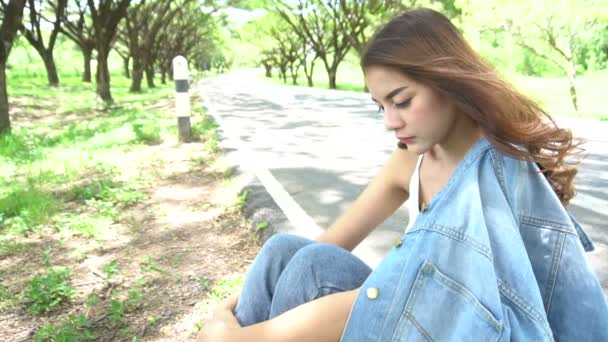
<point x="288" y="52"/>
<point x="191" y="35"/>
<point x="332" y="27"/>
<point x="32" y="32"/>
<point x="317" y="22"/>
<point x="76" y="24"/>
<point x="123" y="52"/>
<point x="141" y="27"/>
<point x="552" y="33"/>
<point x="12" y="14"/>
<point x="106" y="14"/>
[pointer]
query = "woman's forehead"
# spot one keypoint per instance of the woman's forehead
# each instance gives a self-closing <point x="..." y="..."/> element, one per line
<point x="383" y="79"/>
<point x="386" y="73"/>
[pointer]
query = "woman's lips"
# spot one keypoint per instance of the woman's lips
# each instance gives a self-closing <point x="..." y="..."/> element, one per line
<point x="406" y="140"/>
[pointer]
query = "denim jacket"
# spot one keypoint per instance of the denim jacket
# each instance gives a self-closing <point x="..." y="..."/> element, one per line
<point x="494" y="257"/>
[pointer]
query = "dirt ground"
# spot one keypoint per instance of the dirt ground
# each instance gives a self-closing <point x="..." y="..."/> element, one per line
<point x="188" y="233"/>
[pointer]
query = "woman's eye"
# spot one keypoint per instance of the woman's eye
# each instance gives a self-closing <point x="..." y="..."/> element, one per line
<point x="380" y="109"/>
<point x="403" y="104"/>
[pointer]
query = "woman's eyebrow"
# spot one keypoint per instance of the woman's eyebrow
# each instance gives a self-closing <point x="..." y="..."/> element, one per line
<point x="392" y="93"/>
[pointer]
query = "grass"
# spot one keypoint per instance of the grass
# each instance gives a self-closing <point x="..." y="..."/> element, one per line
<point x="48" y="291"/>
<point x="49" y="164"/>
<point x="552" y="93"/>
<point x="73" y="328"/>
<point x="226" y="287"/>
<point x="64" y="172"/>
<point x="7" y="299"/>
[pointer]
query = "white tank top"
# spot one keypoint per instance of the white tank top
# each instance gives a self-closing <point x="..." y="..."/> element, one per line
<point x="414" y="199"/>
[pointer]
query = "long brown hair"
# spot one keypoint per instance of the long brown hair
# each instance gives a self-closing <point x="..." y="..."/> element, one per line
<point x="428" y="48"/>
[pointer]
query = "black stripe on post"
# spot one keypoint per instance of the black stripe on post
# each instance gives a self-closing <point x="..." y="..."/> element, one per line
<point x="181" y="86"/>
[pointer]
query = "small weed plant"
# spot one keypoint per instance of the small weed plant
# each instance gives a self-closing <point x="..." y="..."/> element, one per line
<point x="46" y="292"/>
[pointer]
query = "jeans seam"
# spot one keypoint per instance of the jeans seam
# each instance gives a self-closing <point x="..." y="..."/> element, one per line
<point x="418" y="327"/>
<point x="557" y="257"/>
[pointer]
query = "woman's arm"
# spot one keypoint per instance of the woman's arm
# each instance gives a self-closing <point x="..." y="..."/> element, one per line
<point x="387" y="192"/>
<point x="321" y="320"/>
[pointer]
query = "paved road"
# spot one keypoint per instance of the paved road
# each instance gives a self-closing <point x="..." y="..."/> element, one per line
<point x="324" y="146"/>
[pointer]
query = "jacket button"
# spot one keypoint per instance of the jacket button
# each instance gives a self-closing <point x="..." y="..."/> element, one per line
<point x="372" y="293"/>
<point x="398" y="243"/>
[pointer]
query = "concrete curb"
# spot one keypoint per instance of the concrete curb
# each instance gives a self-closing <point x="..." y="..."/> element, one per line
<point x="267" y="200"/>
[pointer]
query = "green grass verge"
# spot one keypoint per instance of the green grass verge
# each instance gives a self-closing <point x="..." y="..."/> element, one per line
<point x="50" y="165"/>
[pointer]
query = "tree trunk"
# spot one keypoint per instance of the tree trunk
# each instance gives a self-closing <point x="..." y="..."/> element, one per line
<point x="331" y="75"/>
<point x="163" y="78"/>
<point x="136" y="75"/>
<point x="307" y="72"/>
<point x="103" y="74"/>
<point x="572" y="81"/>
<point x="5" y="121"/>
<point x="86" y="54"/>
<point x="150" y="76"/>
<point x="294" y="75"/>
<point x="51" y="69"/>
<point x="125" y="65"/>
<point x="268" y="68"/>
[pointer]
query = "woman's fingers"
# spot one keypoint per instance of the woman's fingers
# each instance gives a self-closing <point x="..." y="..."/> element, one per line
<point x="230" y="302"/>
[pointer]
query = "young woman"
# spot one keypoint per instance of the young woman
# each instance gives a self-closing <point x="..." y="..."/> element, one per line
<point x="490" y="252"/>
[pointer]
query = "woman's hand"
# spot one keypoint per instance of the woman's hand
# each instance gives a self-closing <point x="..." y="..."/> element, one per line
<point x="223" y="322"/>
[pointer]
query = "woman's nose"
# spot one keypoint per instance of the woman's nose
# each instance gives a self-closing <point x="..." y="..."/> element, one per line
<point x="392" y="120"/>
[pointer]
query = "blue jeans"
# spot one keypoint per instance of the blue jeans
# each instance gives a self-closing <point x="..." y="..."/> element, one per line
<point x="290" y="271"/>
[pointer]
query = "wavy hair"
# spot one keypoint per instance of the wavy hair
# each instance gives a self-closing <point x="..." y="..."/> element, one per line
<point x="429" y="49"/>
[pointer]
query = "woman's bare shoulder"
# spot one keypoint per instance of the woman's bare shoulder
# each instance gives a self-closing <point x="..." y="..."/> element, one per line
<point x="400" y="167"/>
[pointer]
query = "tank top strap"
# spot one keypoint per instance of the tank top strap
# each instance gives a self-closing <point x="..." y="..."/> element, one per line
<point x="414" y="198"/>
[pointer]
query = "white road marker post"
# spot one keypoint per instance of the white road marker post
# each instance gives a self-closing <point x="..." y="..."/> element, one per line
<point x="181" y="77"/>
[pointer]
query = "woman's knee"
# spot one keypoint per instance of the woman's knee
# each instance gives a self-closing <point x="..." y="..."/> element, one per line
<point x="285" y="242"/>
<point x="329" y="264"/>
<point x="283" y="245"/>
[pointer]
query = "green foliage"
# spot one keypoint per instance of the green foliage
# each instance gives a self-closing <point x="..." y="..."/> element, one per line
<point x="205" y="127"/>
<point x="10" y="247"/>
<point x="7" y="299"/>
<point x="47" y="292"/>
<point x="104" y="194"/>
<point x="149" y="265"/>
<point x="261" y="226"/>
<point x="147" y="133"/>
<point x="229" y="172"/>
<point x="24" y="208"/>
<point x="211" y="145"/>
<point x="96" y="189"/>
<point x="206" y="131"/>
<point x="20" y="146"/>
<point x="241" y="199"/>
<point x="75" y="328"/>
<point x="111" y="269"/>
<point x="91" y="301"/>
<point x="117" y="312"/>
<point x="84" y="224"/>
<point x="134" y="299"/>
<point x="199" y="160"/>
<point x="226" y="287"/>
<point x="204" y="283"/>
<point x="104" y="208"/>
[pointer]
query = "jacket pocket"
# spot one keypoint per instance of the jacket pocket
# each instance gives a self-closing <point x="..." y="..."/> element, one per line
<point x="440" y="309"/>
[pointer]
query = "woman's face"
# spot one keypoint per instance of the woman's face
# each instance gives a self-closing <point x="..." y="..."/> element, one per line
<point x="419" y="117"/>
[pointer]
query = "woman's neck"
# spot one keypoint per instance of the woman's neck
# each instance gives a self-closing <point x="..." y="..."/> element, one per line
<point x="461" y="137"/>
